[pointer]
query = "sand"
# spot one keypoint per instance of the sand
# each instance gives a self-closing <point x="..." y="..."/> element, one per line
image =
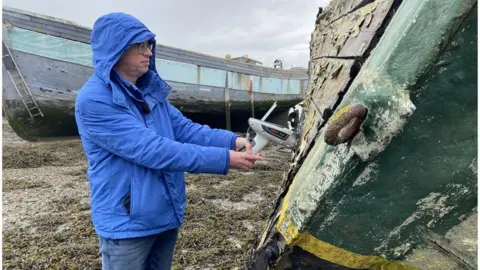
<point x="46" y="209"/>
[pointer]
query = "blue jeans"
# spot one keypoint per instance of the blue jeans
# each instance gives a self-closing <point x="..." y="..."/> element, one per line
<point x="151" y="252"/>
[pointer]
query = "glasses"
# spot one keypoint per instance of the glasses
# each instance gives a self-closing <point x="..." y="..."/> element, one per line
<point x="142" y="47"/>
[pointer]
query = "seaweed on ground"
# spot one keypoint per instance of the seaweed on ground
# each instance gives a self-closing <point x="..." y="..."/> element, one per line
<point x="54" y="229"/>
<point x="42" y="154"/>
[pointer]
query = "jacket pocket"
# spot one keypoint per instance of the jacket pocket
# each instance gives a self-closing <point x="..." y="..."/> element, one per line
<point x="127" y="202"/>
<point x="150" y="203"/>
<point x="134" y="198"/>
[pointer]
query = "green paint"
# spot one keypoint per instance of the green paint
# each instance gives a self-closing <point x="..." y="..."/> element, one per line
<point x="410" y="164"/>
<point x="423" y="176"/>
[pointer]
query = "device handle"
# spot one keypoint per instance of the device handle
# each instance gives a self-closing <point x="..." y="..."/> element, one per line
<point x="258" y="144"/>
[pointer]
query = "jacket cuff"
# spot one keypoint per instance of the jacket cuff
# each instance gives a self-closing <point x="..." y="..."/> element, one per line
<point x="227" y="163"/>
<point x="233" y="145"/>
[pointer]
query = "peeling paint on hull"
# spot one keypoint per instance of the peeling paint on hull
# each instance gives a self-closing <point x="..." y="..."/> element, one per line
<point x="412" y="165"/>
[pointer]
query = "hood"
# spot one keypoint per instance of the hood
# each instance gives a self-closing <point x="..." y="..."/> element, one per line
<point x="112" y="35"/>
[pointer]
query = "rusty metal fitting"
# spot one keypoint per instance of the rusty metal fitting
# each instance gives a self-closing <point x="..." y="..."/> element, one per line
<point x="345" y="124"/>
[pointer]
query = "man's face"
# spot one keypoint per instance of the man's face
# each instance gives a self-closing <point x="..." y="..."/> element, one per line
<point x="136" y="60"/>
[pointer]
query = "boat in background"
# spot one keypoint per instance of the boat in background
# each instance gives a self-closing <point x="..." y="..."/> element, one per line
<point x="46" y="60"/>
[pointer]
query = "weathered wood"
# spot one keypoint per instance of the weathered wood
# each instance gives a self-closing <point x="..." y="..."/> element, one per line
<point x="351" y="34"/>
<point x="337" y="9"/>
<point x="356" y="204"/>
<point x="329" y="80"/>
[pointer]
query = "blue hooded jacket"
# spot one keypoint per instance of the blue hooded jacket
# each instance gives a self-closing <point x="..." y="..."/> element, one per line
<point x="137" y="159"/>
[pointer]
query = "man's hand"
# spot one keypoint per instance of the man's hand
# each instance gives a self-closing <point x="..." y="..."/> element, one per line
<point x="241" y="142"/>
<point x="243" y="161"/>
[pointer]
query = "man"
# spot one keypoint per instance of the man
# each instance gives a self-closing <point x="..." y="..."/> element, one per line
<point x="138" y="147"/>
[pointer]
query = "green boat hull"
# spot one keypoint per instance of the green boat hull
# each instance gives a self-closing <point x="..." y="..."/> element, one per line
<point x="395" y="195"/>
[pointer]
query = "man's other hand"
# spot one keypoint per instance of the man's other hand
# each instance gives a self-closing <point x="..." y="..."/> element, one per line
<point x="243" y="160"/>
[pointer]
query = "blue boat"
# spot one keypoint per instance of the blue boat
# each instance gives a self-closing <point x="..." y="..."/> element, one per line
<point x="46" y="60"/>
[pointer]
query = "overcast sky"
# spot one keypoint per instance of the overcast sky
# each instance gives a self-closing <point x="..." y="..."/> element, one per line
<point x="263" y="29"/>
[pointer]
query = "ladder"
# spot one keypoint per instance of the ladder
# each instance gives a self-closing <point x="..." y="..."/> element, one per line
<point x="19" y="83"/>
